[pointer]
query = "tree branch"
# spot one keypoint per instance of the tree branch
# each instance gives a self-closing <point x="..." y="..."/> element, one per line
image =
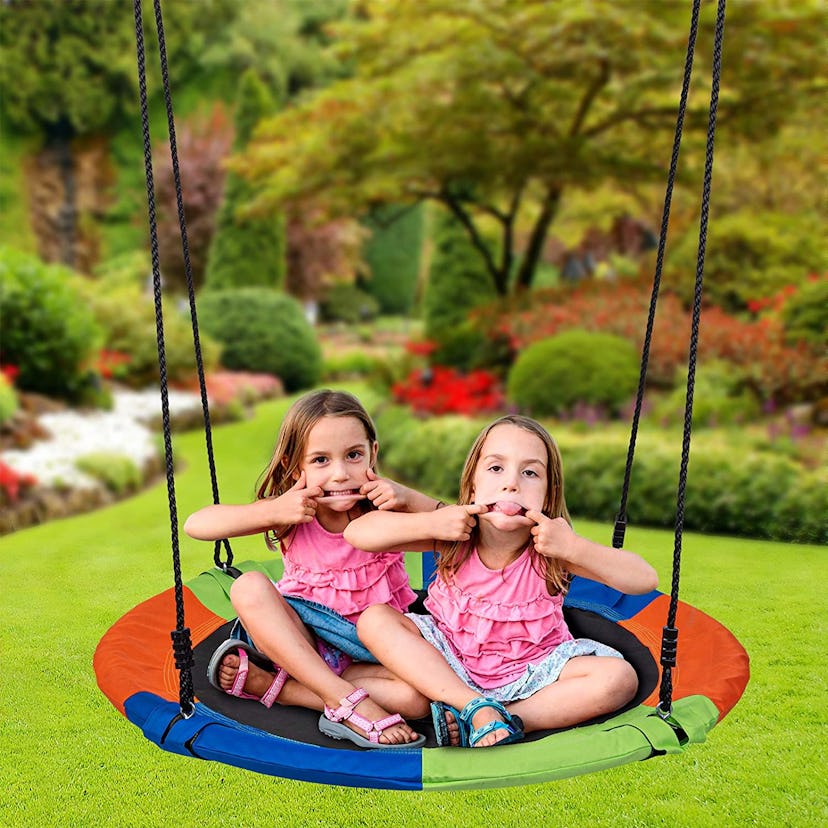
<point x="508" y="255"/>
<point x="638" y="115"/>
<point x="462" y="215"/>
<point x="538" y="236"/>
<point x="592" y="91"/>
<point x="385" y="223"/>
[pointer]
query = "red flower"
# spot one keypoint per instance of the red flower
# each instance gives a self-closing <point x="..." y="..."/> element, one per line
<point x="422" y="348"/>
<point x="11" y="482"/>
<point x="10" y="372"/>
<point x="442" y="390"/>
<point x="110" y="361"/>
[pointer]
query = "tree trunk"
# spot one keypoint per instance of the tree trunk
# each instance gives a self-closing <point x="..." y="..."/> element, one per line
<point x="68" y="179"/>
<point x="59" y="143"/>
<point x="537" y="237"/>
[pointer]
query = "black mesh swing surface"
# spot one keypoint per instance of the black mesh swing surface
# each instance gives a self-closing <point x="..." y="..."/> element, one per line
<point x="301" y="724"/>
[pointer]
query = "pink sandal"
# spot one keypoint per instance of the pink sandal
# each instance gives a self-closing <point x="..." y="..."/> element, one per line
<point x="237" y="689"/>
<point x="330" y="723"/>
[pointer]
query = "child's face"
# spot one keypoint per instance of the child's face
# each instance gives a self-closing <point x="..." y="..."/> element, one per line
<point x="337" y="457"/>
<point x="511" y="475"/>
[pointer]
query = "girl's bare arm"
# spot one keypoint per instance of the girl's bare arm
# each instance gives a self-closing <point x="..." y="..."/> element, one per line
<point x="381" y="531"/>
<point x="222" y="520"/>
<point x="617" y="568"/>
<point x="296" y="505"/>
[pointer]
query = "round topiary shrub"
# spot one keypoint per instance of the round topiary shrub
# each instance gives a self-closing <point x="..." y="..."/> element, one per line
<point x="262" y="331"/>
<point x="347" y="303"/>
<point x="577" y="366"/>
<point x="49" y="333"/>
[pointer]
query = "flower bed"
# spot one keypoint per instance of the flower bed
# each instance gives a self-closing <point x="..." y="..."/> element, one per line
<point x="441" y="390"/>
<point x="40" y="478"/>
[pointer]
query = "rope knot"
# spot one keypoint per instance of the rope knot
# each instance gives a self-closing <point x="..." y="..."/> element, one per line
<point x="182" y="649"/>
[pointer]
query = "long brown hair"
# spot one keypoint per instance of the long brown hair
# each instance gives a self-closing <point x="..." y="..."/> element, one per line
<point x="301" y="417"/>
<point x="453" y="554"/>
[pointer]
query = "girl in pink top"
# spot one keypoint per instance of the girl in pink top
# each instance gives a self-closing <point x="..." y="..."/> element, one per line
<point x="496" y="650"/>
<point x="320" y="477"/>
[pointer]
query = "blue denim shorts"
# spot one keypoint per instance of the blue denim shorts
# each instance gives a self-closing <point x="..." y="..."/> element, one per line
<point x="324" y="623"/>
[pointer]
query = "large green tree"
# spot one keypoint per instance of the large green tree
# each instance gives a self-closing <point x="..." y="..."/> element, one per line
<point x="497" y="107"/>
<point x="68" y="70"/>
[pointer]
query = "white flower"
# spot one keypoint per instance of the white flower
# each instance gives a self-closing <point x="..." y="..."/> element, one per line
<point x="127" y="430"/>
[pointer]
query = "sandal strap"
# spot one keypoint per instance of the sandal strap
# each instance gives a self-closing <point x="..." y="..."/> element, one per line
<point x="237" y="688"/>
<point x="490" y="727"/>
<point x="346" y="712"/>
<point x="272" y="692"/>
<point x="346" y="706"/>
<point x="480" y="702"/>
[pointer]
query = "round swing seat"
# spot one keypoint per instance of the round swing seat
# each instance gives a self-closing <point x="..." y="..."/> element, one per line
<point x="135" y="669"/>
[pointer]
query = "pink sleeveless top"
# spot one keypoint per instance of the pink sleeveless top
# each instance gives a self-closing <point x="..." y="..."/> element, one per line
<point x="498" y="621"/>
<point x="322" y="566"/>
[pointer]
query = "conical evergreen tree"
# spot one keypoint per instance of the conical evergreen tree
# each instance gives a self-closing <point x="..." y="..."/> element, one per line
<point x="246" y="251"/>
<point x="456" y="284"/>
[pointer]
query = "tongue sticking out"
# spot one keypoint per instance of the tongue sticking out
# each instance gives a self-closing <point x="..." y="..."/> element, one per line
<point x="507" y="507"/>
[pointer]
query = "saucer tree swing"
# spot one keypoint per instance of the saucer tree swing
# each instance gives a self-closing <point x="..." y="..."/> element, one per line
<point x="164" y="690"/>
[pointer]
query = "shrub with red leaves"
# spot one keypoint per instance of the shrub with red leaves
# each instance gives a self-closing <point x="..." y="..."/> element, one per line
<point x="441" y="390"/>
<point x="110" y="363"/>
<point x="772" y="367"/>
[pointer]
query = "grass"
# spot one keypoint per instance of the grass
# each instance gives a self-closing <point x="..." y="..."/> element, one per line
<point x="70" y="759"/>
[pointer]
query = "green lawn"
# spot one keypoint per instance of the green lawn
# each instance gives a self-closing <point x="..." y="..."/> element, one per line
<point x="70" y="759"/>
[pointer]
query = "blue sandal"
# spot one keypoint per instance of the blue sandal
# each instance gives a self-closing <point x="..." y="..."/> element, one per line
<point x="441" y="730"/>
<point x="513" y="725"/>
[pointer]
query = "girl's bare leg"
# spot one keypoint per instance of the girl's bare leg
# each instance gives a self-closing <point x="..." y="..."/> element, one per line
<point x="396" y="641"/>
<point x="281" y="636"/>
<point x="588" y="686"/>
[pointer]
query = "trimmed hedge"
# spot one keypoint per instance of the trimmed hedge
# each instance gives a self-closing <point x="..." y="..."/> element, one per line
<point x="750" y="494"/>
<point x="262" y="331"/>
<point x="577" y="366"/>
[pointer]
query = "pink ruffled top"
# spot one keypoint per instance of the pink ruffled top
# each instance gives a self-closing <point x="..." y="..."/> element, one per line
<point x="498" y="621"/>
<point x="322" y="566"/>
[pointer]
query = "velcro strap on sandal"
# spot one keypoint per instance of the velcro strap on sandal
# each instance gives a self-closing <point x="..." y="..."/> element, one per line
<point x="241" y="676"/>
<point x="346" y="706"/>
<point x="272" y="692"/>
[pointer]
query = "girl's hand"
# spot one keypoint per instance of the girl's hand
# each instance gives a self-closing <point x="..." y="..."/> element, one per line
<point x="298" y="504"/>
<point x="552" y="537"/>
<point x="455" y="523"/>
<point x="389" y="496"/>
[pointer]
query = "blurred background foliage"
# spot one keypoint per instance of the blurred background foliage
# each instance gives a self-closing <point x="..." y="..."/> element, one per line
<point x="414" y="185"/>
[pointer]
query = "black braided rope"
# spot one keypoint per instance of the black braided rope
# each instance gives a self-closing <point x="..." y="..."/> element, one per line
<point x="669" y="641"/>
<point x="621" y="519"/>
<point x="181" y="635"/>
<point x="188" y="271"/>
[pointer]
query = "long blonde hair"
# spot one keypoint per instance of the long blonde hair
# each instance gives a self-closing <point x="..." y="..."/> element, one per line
<point x="292" y="441"/>
<point x="453" y="554"/>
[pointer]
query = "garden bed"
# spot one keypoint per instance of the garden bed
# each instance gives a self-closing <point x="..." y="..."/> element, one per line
<point x="58" y="461"/>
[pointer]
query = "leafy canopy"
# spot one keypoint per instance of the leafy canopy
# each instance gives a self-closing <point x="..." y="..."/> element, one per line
<point x="497" y="107"/>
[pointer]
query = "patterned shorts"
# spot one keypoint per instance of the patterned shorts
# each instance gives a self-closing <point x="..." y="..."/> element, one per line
<point x="535" y="677"/>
